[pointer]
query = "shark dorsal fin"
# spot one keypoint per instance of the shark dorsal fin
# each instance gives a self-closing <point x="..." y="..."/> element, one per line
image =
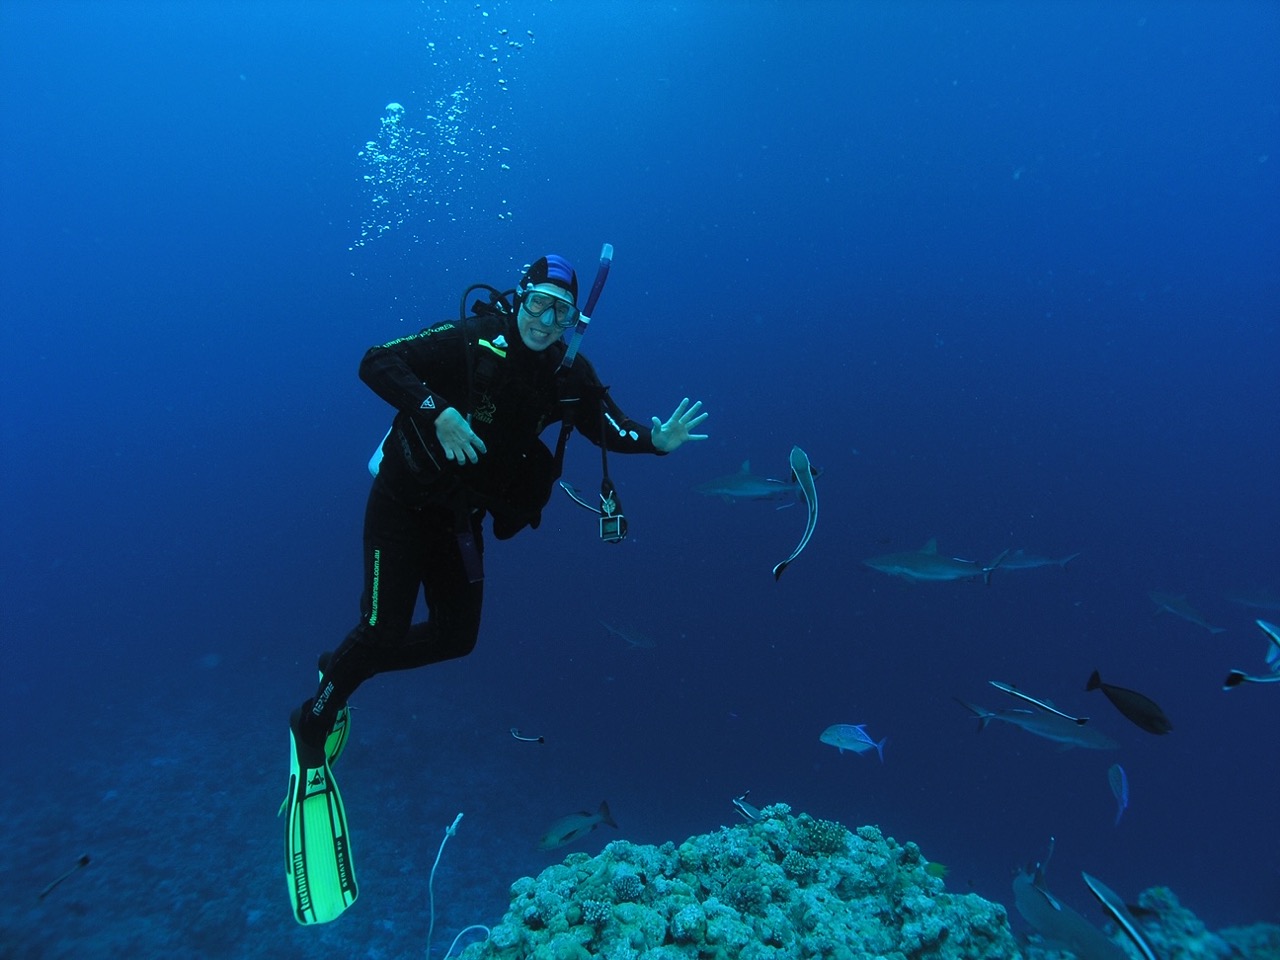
<point x="931" y="546"/>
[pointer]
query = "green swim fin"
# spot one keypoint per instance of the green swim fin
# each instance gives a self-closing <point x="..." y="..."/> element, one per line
<point x="337" y="738"/>
<point x="334" y="744"/>
<point x="318" y="867"/>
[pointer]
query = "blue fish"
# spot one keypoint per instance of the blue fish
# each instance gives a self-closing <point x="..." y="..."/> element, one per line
<point x="852" y="736"/>
<point x="1120" y="788"/>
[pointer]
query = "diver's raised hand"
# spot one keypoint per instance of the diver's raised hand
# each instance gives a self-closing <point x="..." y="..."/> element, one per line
<point x="456" y="436"/>
<point x="667" y="436"/>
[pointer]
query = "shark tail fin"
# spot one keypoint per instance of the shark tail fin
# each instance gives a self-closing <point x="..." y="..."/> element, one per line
<point x="984" y="716"/>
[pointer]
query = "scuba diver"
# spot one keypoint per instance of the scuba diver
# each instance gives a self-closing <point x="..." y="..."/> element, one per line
<point x="471" y="399"/>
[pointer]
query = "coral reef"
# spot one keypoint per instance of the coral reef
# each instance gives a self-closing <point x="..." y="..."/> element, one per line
<point x="781" y="887"/>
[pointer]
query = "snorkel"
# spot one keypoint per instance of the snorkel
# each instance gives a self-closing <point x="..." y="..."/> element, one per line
<point x="613" y="524"/>
<point x="584" y="318"/>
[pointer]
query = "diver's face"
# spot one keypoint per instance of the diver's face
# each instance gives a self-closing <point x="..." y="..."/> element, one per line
<point x="545" y="313"/>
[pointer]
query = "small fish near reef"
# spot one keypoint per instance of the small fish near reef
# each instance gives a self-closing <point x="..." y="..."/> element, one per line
<point x="575" y="826"/>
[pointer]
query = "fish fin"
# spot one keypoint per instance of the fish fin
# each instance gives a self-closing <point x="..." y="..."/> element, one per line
<point x="1234" y="679"/>
<point x="984" y="716"/>
<point x="1095" y="681"/>
<point x="605" y="815"/>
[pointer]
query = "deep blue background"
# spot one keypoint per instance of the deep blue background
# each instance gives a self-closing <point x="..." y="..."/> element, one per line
<point x="1009" y="273"/>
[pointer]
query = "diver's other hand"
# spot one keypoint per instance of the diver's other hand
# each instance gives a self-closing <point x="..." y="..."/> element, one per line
<point x="667" y="436"/>
<point x="456" y="436"/>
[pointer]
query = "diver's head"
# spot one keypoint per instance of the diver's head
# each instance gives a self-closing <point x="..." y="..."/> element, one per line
<point x="547" y="301"/>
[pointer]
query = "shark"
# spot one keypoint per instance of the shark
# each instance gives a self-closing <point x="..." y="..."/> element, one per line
<point x="1057" y="727"/>
<point x="1258" y="600"/>
<point x="1178" y="606"/>
<point x="745" y="485"/>
<point x="1021" y="560"/>
<point x="927" y="565"/>
<point x="628" y="634"/>
<point x="1056" y="922"/>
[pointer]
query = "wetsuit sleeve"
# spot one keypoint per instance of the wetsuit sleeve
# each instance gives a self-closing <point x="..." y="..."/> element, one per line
<point x="401" y="371"/>
<point x="620" y="433"/>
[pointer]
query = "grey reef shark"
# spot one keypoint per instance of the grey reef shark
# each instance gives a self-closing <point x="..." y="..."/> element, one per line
<point x="927" y="565"/>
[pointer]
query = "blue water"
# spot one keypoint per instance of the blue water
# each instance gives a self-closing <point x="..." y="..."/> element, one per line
<point x="1008" y="272"/>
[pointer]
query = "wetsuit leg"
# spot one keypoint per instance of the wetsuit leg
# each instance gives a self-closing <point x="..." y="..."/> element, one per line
<point x="392" y="534"/>
<point x="404" y="550"/>
<point x="453" y="606"/>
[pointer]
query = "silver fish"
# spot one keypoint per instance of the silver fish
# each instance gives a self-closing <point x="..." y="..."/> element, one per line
<point x="1237" y="677"/>
<point x="851" y="736"/>
<point x="748" y="812"/>
<point x="1040" y="704"/>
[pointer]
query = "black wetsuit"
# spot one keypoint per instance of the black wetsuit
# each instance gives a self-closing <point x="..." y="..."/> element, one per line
<point x="424" y="513"/>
